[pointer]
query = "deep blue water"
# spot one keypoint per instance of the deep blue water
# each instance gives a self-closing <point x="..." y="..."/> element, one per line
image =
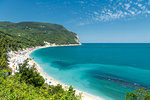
<point x="105" y="70"/>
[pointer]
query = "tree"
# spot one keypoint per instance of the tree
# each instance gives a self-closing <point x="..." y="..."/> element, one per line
<point x="30" y="74"/>
<point x="139" y="94"/>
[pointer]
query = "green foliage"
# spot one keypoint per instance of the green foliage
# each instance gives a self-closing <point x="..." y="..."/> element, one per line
<point x="4" y="72"/>
<point x="18" y="88"/>
<point x="30" y="75"/>
<point x="9" y="42"/>
<point x="139" y="94"/>
<point x="3" y="48"/>
<point x="40" y="32"/>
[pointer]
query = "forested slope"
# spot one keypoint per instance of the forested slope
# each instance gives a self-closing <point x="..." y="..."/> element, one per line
<point x="36" y="31"/>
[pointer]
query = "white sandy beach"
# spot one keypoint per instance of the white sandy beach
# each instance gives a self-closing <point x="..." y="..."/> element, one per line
<point x="18" y="57"/>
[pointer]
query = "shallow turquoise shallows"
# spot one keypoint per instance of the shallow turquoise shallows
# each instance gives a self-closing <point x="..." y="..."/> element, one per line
<point x="105" y="70"/>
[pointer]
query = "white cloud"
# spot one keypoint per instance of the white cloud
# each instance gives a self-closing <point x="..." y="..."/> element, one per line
<point x="81" y="2"/>
<point x="128" y="9"/>
<point x="127" y="6"/>
<point x="96" y="13"/>
<point x="143" y="7"/>
<point x="125" y="13"/>
<point x="116" y="10"/>
<point x="140" y="5"/>
<point x="131" y="2"/>
<point x="148" y="11"/>
<point x="132" y="12"/>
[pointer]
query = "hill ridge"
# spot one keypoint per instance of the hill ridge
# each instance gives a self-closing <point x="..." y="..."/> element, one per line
<point x="38" y="31"/>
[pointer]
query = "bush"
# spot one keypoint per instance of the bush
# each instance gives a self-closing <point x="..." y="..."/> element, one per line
<point x="139" y="94"/>
<point x="30" y="75"/>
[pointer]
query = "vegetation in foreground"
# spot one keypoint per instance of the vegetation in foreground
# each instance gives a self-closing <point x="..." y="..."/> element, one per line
<point x="139" y="94"/>
<point x="29" y="85"/>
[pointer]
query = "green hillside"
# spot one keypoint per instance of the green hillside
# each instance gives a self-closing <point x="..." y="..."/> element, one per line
<point x="27" y="84"/>
<point x="40" y="32"/>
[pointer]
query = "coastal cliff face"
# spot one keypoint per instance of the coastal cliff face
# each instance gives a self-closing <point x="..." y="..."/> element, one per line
<point x="77" y="40"/>
<point x="40" y="32"/>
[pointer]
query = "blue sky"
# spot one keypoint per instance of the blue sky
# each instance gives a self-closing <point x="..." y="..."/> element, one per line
<point x="95" y="21"/>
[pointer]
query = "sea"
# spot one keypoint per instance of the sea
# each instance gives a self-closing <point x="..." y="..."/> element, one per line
<point x="107" y="70"/>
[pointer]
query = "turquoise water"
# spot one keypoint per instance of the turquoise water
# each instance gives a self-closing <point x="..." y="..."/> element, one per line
<point x="105" y="70"/>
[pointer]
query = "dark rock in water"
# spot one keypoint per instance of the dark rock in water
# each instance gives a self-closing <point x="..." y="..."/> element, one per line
<point x="62" y="64"/>
<point x="119" y="80"/>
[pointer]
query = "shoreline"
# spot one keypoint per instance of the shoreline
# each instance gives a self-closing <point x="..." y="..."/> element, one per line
<point x="50" y="80"/>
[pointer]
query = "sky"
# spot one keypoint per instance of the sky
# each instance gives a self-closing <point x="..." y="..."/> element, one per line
<point x="95" y="21"/>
